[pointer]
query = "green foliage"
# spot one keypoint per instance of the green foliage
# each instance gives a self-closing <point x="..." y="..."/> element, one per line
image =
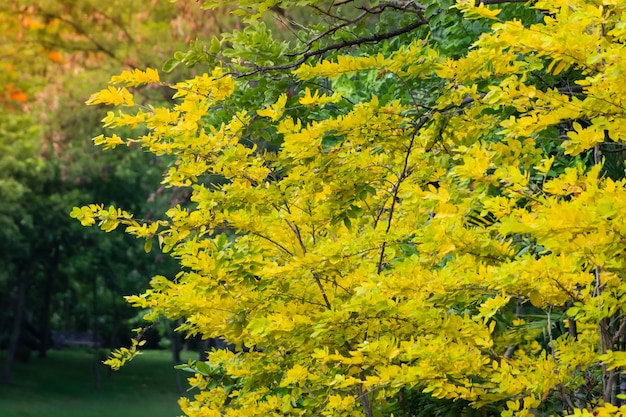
<point x="22" y="167"/>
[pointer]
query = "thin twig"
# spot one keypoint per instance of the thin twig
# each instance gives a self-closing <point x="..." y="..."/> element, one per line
<point x="403" y="175"/>
<point x="278" y="245"/>
<point x="322" y="290"/>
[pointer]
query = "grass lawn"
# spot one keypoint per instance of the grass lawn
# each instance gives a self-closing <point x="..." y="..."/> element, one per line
<point x="63" y="385"/>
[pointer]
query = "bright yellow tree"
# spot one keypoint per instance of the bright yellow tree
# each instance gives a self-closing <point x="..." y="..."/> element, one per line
<point x="409" y="208"/>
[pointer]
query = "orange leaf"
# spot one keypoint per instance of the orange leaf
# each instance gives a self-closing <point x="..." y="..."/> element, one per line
<point x="18" y="95"/>
<point x="55" y="57"/>
<point x="30" y="23"/>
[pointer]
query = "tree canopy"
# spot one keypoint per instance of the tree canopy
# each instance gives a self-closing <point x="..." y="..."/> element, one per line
<point x="403" y="208"/>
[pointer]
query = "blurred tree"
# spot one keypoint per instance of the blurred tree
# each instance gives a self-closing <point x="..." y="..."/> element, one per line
<point x="53" y="53"/>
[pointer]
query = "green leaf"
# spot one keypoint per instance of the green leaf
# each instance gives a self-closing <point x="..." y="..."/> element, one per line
<point x="203" y="368"/>
<point x="170" y="64"/>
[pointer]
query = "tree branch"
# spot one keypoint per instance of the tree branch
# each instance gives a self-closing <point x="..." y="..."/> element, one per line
<point x="489" y="2"/>
<point x="403" y="175"/>
<point x="336" y="46"/>
<point x="278" y="245"/>
<point x="81" y="31"/>
<point x="322" y="290"/>
<point x="365" y="401"/>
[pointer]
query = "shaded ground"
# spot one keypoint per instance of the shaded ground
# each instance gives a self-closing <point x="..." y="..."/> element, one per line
<point x="63" y="385"/>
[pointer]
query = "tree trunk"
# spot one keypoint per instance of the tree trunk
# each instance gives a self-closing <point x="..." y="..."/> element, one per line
<point x="176" y="348"/>
<point x="44" y="314"/>
<point x="96" y="346"/>
<point x="17" y="325"/>
<point x="176" y="344"/>
<point x="203" y="347"/>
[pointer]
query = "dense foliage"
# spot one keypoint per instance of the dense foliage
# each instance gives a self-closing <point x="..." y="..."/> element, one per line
<point x="407" y="208"/>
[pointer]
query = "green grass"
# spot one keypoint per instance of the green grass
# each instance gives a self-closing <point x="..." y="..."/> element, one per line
<point x="63" y="385"/>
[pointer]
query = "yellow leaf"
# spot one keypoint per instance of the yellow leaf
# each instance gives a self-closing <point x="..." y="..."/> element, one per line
<point x="316" y="99"/>
<point x="136" y="77"/>
<point x="276" y="110"/>
<point x="112" y="95"/>
<point x="614" y="359"/>
<point x="536" y="299"/>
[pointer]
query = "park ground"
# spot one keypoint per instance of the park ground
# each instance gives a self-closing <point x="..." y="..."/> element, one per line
<point x="64" y="385"/>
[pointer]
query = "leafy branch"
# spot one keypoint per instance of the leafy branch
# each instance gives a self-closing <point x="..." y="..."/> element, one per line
<point x="333" y="47"/>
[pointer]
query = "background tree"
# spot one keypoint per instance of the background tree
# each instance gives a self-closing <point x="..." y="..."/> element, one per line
<point x="53" y="52"/>
<point x="403" y="208"/>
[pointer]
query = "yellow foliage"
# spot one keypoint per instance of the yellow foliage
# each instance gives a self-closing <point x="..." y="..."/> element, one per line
<point x="120" y="356"/>
<point x="112" y="96"/>
<point x="136" y="77"/>
<point x="425" y="239"/>
<point x="276" y="110"/>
